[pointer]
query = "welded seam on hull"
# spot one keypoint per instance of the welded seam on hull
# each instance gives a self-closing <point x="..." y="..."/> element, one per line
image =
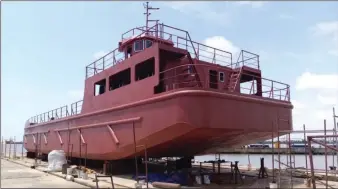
<point x="171" y="95"/>
<point x="102" y="124"/>
<point x="37" y="133"/>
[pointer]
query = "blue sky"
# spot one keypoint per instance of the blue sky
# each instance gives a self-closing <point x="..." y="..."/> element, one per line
<point x="46" y="46"/>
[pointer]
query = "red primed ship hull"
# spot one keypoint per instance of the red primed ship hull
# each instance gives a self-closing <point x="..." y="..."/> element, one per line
<point x="176" y="123"/>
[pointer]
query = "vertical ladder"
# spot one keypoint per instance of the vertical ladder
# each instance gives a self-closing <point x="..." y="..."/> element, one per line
<point x="234" y="79"/>
<point x="191" y="71"/>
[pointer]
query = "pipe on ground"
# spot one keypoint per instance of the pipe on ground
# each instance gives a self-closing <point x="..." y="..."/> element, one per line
<point x="165" y="185"/>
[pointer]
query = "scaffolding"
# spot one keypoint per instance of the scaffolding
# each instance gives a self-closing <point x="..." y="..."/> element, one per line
<point x="309" y="137"/>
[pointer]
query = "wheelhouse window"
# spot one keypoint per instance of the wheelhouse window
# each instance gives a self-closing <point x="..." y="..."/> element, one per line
<point x="221" y="76"/>
<point x="100" y="87"/>
<point x="138" y="45"/>
<point x="119" y="79"/>
<point x="145" y="69"/>
<point x="148" y="43"/>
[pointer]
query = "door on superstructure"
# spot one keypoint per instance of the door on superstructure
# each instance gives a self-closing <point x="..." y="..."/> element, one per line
<point x="213" y="81"/>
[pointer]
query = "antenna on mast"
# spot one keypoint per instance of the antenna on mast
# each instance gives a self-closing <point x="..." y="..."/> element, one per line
<point x="147" y="13"/>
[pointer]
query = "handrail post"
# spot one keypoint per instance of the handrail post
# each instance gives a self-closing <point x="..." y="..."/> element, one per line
<point x="177" y="42"/>
<point x="86" y="72"/>
<point x="273" y="95"/>
<point x="186" y="41"/>
<point x="103" y="62"/>
<point x="242" y="58"/>
<point x="114" y="58"/>
<point x="258" y="62"/>
<point x="95" y="68"/>
<point x="76" y="108"/>
<point x="198" y="52"/>
<point x="280" y="94"/>
<point x="214" y="58"/>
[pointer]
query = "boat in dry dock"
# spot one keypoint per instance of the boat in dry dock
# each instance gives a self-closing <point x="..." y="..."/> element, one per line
<point x="163" y="91"/>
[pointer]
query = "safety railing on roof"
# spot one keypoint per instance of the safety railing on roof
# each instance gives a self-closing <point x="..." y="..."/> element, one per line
<point x="110" y="59"/>
<point x="58" y="113"/>
<point x="172" y="79"/>
<point x="180" y="39"/>
<point x="113" y="57"/>
<point x="246" y="58"/>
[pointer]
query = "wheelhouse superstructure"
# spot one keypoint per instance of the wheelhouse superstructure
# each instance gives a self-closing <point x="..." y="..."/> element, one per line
<point x="174" y="61"/>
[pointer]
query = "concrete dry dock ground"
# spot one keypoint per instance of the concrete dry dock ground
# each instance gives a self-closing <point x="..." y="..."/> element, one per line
<point x="103" y="182"/>
<point x="14" y="175"/>
<point x="37" y="175"/>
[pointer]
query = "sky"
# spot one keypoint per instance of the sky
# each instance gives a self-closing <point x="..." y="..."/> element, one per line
<point x="46" y="46"/>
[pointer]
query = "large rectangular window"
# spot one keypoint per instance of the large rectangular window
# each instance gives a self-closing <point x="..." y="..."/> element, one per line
<point x="119" y="79"/>
<point x="145" y="69"/>
<point x="100" y="87"/>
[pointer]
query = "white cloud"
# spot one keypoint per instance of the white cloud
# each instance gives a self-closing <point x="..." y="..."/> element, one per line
<point x="219" y="42"/>
<point x="297" y="106"/>
<point x="329" y="28"/>
<point x="317" y="81"/>
<point x="324" y="114"/>
<point x="99" y="54"/>
<point x="253" y="4"/>
<point x="327" y="100"/>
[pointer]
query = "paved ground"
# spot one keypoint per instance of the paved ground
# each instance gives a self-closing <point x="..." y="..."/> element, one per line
<point x="18" y="176"/>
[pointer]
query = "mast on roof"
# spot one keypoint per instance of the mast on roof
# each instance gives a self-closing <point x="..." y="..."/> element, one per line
<point x="147" y="13"/>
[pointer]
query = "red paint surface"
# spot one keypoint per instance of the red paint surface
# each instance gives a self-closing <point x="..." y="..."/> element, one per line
<point x="186" y="119"/>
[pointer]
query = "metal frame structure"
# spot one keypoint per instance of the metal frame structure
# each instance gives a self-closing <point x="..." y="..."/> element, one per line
<point x="309" y="140"/>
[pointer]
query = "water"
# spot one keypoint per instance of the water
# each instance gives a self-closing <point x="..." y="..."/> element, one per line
<point x="318" y="160"/>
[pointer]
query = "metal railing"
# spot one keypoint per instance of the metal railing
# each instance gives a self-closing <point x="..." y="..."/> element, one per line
<point x="246" y="58"/>
<point x="180" y="39"/>
<point x="172" y="79"/>
<point x="270" y="89"/>
<point x="64" y="111"/>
